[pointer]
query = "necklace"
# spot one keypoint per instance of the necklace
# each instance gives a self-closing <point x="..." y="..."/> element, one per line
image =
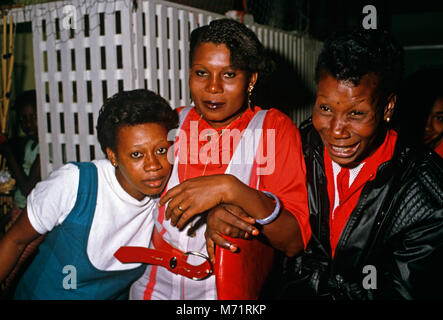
<point x="192" y="231"/>
<point x="209" y="136"/>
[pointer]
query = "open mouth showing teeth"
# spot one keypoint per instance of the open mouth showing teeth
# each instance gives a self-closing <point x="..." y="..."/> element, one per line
<point x="343" y="151"/>
<point x="340" y="149"/>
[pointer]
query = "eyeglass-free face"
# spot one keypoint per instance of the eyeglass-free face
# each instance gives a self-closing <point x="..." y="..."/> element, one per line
<point x="348" y="118"/>
<point x="218" y="90"/>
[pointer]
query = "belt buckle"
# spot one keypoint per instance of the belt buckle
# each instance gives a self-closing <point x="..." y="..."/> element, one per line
<point x="201" y="255"/>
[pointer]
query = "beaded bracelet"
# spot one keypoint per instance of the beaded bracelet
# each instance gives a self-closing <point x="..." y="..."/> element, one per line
<point x="274" y="213"/>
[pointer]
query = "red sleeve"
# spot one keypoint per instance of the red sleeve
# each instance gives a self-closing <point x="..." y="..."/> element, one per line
<point x="287" y="180"/>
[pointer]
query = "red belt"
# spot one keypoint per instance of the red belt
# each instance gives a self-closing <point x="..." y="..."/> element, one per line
<point x="166" y="256"/>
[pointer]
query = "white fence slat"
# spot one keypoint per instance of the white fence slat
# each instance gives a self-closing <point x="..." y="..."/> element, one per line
<point x="82" y="78"/>
<point x="65" y="73"/>
<point x="127" y="39"/>
<point x="96" y="81"/>
<point x="184" y="58"/>
<point x="173" y="46"/>
<point x="162" y="48"/>
<point x="53" y="89"/>
<point x="150" y="44"/>
<point x="42" y="111"/>
<point x="139" y="49"/>
<point x="111" y="54"/>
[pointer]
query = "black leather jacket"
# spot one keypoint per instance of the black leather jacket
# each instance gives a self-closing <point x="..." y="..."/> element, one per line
<point x="396" y="230"/>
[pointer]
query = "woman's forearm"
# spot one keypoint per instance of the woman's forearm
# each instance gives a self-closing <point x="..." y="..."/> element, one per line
<point x="254" y="202"/>
<point x="10" y="252"/>
<point x="13" y="243"/>
<point x="283" y="233"/>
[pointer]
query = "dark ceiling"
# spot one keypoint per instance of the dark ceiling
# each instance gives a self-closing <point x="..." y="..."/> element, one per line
<point x="417" y="25"/>
<point x="413" y="23"/>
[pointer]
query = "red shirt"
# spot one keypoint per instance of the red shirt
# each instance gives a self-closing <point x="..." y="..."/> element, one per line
<point x="284" y="155"/>
<point x="439" y="149"/>
<point x="341" y="214"/>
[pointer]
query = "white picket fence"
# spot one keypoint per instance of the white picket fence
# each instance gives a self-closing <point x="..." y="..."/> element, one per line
<point x="117" y="47"/>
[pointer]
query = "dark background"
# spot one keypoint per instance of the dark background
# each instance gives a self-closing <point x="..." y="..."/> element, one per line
<point x="417" y="25"/>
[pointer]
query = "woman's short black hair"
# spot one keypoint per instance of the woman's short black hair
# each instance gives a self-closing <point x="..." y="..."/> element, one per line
<point x="129" y="108"/>
<point x="247" y="52"/>
<point x="348" y="56"/>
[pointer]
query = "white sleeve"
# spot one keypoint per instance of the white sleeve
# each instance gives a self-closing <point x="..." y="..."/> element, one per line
<point x="50" y="202"/>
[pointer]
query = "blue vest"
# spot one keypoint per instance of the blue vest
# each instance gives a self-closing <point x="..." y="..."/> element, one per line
<point x="61" y="269"/>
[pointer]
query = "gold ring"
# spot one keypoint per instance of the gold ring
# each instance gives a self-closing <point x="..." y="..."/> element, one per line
<point x="180" y="208"/>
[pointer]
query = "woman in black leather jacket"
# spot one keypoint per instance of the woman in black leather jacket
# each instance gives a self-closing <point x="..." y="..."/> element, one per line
<point x="376" y="205"/>
<point x="383" y="237"/>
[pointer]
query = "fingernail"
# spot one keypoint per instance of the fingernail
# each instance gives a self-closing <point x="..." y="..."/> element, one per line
<point x="233" y="248"/>
<point x="255" y="232"/>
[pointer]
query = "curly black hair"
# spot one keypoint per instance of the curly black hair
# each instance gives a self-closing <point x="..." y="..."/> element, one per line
<point x="247" y="52"/>
<point x="132" y="108"/>
<point x="348" y="56"/>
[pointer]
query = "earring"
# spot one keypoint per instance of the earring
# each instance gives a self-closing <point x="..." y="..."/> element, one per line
<point x="388" y="119"/>
<point x="250" y="88"/>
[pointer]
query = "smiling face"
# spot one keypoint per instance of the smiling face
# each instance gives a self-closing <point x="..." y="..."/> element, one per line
<point x="434" y="124"/>
<point x="347" y="118"/>
<point x="219" y="91"/>
<point x="142" y="166"/>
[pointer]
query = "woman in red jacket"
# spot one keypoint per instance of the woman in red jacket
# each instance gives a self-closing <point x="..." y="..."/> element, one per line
<point x="230" y="155"/>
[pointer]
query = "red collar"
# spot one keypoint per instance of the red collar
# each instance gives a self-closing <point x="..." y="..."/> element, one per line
<point x="369" y="170"/>
<point x="382" y="154"/>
